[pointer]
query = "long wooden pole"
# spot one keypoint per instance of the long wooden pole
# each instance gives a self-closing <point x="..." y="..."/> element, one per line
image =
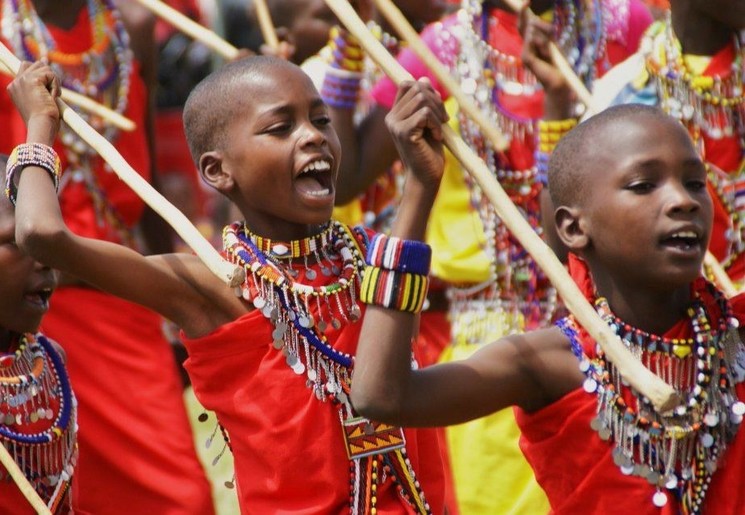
<point x="19" y="478"/>
<point x="90" y="105"/>
<point x="191" y="28"/>
<point x="265" y="23"/>
<point x="661" y="394"/>
<point x="407" y="33"/>
<point x="202" y="248"/>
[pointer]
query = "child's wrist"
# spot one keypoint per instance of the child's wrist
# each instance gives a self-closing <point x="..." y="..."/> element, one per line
<point x="41" y="129"/>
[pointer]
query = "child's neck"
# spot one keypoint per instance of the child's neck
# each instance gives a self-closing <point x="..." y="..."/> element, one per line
<point x="699" y="34"/>
<point x="60" y="14"/>
<point x="653" y="312"/>
<point x="7" y="338"/>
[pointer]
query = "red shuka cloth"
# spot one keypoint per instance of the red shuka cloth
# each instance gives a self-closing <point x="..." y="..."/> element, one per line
<point x="136" y="448"/>
<point x="575" y="467"/>
<point x="288" y="446"/>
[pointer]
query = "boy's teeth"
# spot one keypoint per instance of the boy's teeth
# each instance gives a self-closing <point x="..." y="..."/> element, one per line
<point x="316" y="166"/>
<point x="685" y="234"/>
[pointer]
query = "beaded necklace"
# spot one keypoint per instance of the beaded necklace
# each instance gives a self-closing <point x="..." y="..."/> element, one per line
<point x="35" y="390"/>
<point x="302" y="314"/>
<point x="677" y="451"/>
<point x="712" y="105"/>
<point x="101" y="72"/>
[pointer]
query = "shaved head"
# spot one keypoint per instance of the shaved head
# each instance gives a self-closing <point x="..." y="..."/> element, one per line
<point x="574" y="156"/>
<point x="217" y="99"/>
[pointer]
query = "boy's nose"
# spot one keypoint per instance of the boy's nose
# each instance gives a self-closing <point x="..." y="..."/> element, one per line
<point x="682" y="200"/>
<point x="312" y="135"/>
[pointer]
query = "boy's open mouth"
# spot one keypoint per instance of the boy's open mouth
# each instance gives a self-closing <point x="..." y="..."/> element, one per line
<point x="315" y="179"/>
<point x="682" y="240"/>
<point x="39" y="297"/>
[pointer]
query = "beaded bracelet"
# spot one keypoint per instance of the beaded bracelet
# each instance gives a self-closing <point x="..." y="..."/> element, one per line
<point x="31" y="154"/>
<point x="346" y="51"/>
<point x="394" y="290"/>
<point x="341" y="90"/>
<point x="395" y="254"/>
<point x="550" y="132"/>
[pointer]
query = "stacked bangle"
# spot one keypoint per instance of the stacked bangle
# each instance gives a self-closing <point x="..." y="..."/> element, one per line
<point x="550" y="132"/>
<point x="31" y="154"/>
<point x="397" y="274"/>
<point x="341" y="84"/>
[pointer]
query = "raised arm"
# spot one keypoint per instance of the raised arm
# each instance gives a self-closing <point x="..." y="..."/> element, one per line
<point x="528" y="371"/>
<point x="173" y="285"/>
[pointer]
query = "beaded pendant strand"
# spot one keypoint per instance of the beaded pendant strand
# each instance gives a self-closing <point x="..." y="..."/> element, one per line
<point x="38" y="417"/>
<point x="101" y="72"/>
<point x="301" y="314"/>
<point x="678" y="451"/>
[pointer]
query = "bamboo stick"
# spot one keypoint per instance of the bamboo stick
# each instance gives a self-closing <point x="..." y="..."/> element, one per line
<point x="19" y="478"/>
<point x="90" y="105"/>
<point x="265" y="24"/>
<point x="202" y="248"/>
<point x="191" y="28"/>
<point x="661" y="394"/>
<point x="399" y="22"/>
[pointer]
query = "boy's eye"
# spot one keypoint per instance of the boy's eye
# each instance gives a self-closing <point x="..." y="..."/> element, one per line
<point x="278" y="128"/>
<point x="640" y="187"/>
<point x="322" y="120"/>
<point x="696" y="185"/>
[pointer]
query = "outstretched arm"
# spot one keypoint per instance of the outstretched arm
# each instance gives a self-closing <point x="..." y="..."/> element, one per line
<point x="529" y="371"/>
<point x="173" y="285"/>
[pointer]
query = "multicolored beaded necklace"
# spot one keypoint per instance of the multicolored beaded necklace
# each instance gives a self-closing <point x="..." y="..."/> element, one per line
<point x="678" y="451"/>
<point x="101" y="72"/>
<point x="35" y="391"/>
<point x="301" y="314"/>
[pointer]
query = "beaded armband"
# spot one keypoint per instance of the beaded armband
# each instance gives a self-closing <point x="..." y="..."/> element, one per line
<point x="31" y="154"/>
<point x="550" y="133"/>
<point x="399" y="255"/>
<point x="341" y="84"/>
<point x="397" y="273"/>
<point x="394" y="290"/>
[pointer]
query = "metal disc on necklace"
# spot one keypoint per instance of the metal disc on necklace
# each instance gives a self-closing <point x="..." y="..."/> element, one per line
<point x="322" y="325"/>
<point x="590" y="385"/>
<point x="331" y="387"/>
<point x="707" y="440"/>
<point x="298" y="368"/>
<point x="267" y="311"/>
<point x="34" y="417"/>
<point x="335" y="323"/>
<point x="604" y="434"/>
<point x="259" y="302"/>
<point x="291" y="315"/>
<point x="293" y="273"/>
<point x="291" y="360"/>
<point x="278" y="344"/>
<point x="312" y="374"/>
<point x="335" y="269"/>
<point x="325" y="271"/>
<point x="342" y="396"/>
<point x="618" y="457"/>
<point x="278" y="333"/>
<point x="711" y="419"/>
<point x="355" y="313"/>
<point x="595" y="424"/>
<point x="304" y="321"/>
<point x="9" y="419"/>
<point x="738" y="408"/>
<point x="627" y="470"/>
<point x="49" y="413"/>
<point x="671" y="482"/>
<point x="659" y="499"/>
<point x="653" y="477"/>
<point x="310" y="274"/>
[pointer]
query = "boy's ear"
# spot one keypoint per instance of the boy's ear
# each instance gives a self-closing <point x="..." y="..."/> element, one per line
<point x="570" y="228"/>
<point x="212" y="171"/>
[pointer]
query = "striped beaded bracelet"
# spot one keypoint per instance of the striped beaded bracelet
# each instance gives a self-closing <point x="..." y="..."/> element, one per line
<point x="399" y="255"/>
<point x="31" y="154"/>
<point x="394" y="290"/>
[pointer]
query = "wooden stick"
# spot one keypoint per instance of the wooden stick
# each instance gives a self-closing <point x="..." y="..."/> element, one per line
<point x="191" y="28"/>
<point x="265" y="24"/>
<point x="721" y="278"/>
<point x="661" y="394"/>
<point x="19" y="478"/>
<point x="399" y="22"/>
<point x="202" y="248"/>
<point x="90" y="105"/>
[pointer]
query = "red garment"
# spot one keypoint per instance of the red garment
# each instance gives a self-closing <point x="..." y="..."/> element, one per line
<point x="288" y="447"/>
<point x="575" y="467"/>
<point x="136" y="448"/>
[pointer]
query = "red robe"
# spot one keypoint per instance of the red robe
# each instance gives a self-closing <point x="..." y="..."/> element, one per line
<point x="136" y="449"/>
<point x="576" y="469"/>
<point x="288" y="447"/>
